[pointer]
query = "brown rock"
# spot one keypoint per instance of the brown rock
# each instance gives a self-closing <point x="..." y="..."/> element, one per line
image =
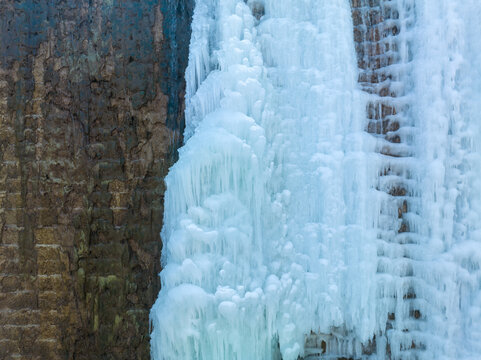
<point x="90" y="119"/>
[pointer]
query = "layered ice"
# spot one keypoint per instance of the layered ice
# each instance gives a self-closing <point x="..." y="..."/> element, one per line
<point x="446" y="106"/>
<point x="272" y="216"/>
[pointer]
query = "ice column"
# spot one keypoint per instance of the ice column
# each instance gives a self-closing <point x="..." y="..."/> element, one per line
<point x="269" y="213"/>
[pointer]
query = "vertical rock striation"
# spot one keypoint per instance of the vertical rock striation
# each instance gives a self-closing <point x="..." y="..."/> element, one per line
<point x="90" y="118"/>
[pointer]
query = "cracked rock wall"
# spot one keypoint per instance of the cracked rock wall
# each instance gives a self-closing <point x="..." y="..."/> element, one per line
<point x="91" y="115"/>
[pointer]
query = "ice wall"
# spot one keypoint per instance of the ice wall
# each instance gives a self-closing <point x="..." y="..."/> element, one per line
<point x="279" y="217"/>
<point x="446" y="107"/>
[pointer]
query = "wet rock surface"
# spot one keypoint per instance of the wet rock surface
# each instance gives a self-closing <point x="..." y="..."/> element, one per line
<point x="91" y="112"/>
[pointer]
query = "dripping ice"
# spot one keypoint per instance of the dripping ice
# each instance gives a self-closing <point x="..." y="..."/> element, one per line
<point x="272" y="216"/>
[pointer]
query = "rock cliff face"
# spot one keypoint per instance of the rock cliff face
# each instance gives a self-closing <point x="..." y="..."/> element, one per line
<point x="90" y="118"/>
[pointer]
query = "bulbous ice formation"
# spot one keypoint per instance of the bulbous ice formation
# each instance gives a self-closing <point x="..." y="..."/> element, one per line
<point x="268" y="198"/>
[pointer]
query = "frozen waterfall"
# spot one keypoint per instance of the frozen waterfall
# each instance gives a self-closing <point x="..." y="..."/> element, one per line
<point x="281" y="235"/>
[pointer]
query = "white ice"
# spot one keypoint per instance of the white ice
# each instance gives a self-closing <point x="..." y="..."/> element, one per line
<point x="447" y="107"/>
<point x="271" y="217"/>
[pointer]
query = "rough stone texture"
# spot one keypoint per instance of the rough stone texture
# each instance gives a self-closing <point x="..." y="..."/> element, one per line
<point x="90" y="118"/>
